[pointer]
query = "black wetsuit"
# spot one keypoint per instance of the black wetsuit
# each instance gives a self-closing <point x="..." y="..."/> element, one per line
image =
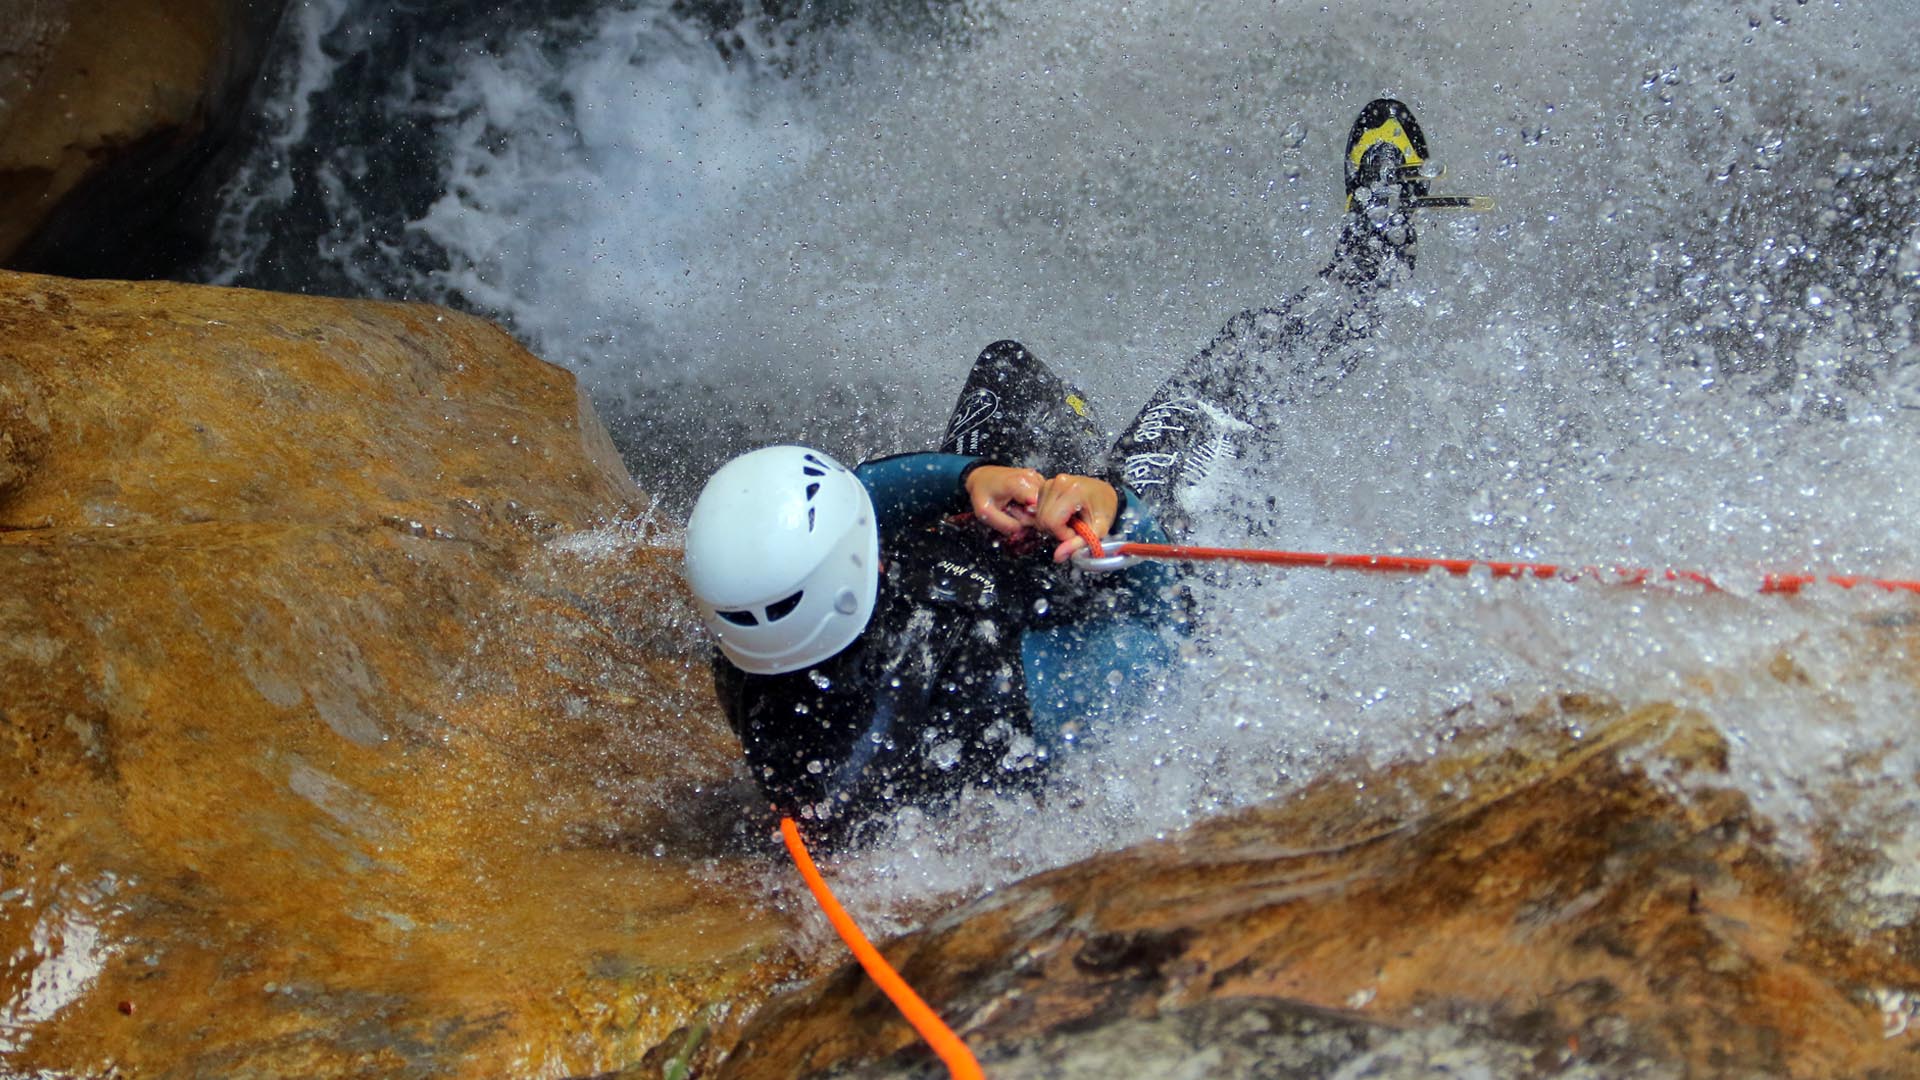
<point x="981" y="661"/>
<point x="984" y="658"/>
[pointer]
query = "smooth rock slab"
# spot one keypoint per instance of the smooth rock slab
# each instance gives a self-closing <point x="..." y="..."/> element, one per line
<point x="343" y="704"/>
<point x="108" y="110"/>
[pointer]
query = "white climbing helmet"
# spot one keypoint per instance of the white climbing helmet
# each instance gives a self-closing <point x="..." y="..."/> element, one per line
<point x="783" y="555"/>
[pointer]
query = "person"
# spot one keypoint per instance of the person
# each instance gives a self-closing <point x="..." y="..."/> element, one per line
<point x="893" y="633"/>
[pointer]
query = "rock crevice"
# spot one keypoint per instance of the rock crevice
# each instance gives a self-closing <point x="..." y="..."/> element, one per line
<point x="109" y="109"/>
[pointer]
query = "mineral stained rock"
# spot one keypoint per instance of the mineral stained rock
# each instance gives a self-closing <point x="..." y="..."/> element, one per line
<point x="329" y="744"/>
<point x="352" y="725"/>
<point x="1600" y="906"/>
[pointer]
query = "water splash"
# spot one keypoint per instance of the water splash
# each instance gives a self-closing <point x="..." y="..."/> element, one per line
<point x="1685" y="338"/>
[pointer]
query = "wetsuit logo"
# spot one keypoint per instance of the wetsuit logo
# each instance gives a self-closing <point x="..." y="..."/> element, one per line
<point x="1174" y="420"/>
<point x="1195" y="440"/>
<point x="950" y="578"/>
<point x="969" y="417"/>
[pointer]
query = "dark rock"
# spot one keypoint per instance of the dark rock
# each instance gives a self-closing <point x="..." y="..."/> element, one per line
<point x="109" y="112"/>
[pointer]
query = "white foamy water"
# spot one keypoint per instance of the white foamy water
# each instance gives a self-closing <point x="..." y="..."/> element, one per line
<point x="1685" y="338"/>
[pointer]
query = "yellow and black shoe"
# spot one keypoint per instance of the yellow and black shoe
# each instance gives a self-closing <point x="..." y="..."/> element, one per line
<point x="1385" y="152"/>
<point x="1387" y="156"/>
<point x="1389" y="171"/>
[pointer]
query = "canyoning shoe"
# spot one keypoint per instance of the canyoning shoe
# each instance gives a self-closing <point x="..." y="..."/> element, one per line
<point x="1385" y="152"/>
<point x="1388" y="165"/>
<point x="1388" y="175"/>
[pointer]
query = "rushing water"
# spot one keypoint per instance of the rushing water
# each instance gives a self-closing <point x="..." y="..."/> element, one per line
<point x="1686" y="336"/>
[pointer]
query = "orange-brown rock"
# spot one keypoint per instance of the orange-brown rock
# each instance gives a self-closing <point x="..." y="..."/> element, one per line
<point x="350" y="724"/>
<point x="328" y="742"/>
<point x="1601" y="906"/>
<point x="87" y="86"/>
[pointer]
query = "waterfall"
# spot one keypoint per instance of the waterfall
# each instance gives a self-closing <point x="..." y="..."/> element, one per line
<point x="1685" y="337"/>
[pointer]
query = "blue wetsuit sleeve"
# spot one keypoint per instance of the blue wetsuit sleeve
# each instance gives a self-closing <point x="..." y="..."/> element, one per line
<point x="912" y="489"/>
<point x="1135" y="521"/>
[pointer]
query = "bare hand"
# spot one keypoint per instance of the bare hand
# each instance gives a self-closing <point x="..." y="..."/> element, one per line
<point x="1015" y="500"/>
<point x="1066" y="497"/>
<point x="1005" y="498"/>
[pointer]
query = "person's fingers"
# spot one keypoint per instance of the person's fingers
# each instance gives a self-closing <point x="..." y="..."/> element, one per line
<point x="1001" y="520"/>
<point x="1067" y="548"/>
<point x="1102" y="506"/>
<point x="1058" y="503"/>
<point x="1066" y="496"/>
<point x="1004" y="497"/>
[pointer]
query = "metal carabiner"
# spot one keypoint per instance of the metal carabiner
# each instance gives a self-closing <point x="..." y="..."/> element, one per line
<point x="1086" y="560"/>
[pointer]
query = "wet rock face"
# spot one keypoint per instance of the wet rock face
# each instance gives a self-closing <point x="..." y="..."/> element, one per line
<point x="343" y="704"/>
<point x="24" y="426"/>
<point x="108" y="109"/>
<point x="1259" y="1038"/>
<point x="1601" y="906"/>
<point x="350" y="724"/>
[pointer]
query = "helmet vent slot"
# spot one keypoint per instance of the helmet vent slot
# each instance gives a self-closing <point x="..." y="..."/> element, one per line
<point x="739" y="618"/>
<point x="809" y="519"/>
<point x="780" y="609"/>
<point x="812" y="490"/>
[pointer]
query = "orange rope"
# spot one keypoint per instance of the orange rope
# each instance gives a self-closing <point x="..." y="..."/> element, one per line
<point x="1785" y="584"/>
<point x="1086" y="533"/>
<point x="959" y="1060"/>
